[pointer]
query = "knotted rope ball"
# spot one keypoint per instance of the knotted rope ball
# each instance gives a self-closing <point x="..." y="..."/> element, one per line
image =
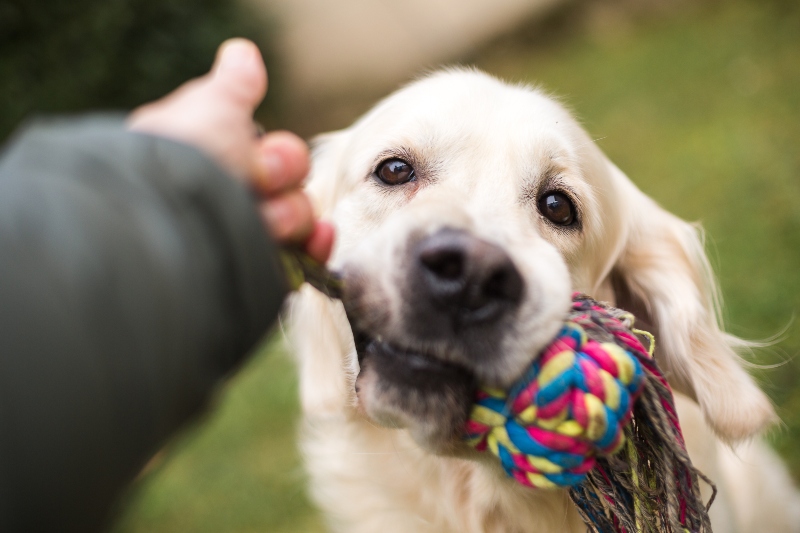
<point x="570" y="406"/>
<point x="592" y="392"/>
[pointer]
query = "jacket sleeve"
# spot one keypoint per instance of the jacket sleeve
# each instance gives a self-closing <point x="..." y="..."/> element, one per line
<point x="134" y="275"/>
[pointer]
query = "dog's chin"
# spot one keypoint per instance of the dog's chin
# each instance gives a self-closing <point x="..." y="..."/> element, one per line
<point x="430" y="398"/>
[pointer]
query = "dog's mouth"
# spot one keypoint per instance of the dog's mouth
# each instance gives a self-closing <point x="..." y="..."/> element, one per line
<point x="406" y="388"/>
<point x="417" y="368"/>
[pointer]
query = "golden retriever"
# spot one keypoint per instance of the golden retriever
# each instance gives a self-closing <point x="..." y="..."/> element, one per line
<point x="468" y="210"/>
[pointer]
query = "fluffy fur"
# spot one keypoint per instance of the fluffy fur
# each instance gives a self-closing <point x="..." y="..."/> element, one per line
<point x="386" y="458"/>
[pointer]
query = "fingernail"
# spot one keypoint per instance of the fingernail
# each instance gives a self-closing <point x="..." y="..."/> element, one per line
<point x="235" y="54"/>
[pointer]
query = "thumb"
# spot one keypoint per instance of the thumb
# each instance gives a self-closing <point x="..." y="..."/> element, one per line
<point x="239" y="70"/>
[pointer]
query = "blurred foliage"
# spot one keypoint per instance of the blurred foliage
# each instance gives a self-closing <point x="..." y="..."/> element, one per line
<point x="700" y="106"/>
<point x="73" y="55"/>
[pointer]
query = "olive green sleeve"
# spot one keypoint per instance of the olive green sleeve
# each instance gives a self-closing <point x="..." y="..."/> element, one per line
<point x="134" y="275"/>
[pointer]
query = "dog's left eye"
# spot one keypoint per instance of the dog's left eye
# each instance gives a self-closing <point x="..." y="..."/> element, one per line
<point x="395" y="172"/>
<point x="557" y="208"/>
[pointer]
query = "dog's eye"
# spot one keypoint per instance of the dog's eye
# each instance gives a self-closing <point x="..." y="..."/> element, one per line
<point x="557" y="208"/>
<point x="395" y="172"/>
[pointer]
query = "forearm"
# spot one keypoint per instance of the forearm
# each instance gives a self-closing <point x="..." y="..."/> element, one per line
<point x="134" y="274"/>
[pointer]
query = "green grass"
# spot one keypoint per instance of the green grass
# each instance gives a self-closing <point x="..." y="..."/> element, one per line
<point x="700" y="107"/>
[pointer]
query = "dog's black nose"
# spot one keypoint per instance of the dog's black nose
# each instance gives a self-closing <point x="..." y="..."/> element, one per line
<point x="471" y="279"/>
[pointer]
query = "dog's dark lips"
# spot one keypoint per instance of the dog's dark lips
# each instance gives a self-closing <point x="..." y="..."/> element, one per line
<point x="413" y="372"/>
<point x="413" y="361"/>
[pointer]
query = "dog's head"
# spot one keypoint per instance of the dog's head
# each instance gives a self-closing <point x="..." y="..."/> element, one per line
<point x="468" y="211"/>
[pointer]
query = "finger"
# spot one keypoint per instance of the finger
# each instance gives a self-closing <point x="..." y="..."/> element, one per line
<point x="284" y="161"/>
<point x="320" y="243"/>
<point x="239" y="71"/>
<point x="289" y="217"/>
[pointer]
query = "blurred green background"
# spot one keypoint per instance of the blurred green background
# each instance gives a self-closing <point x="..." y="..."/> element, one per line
<point x="70" y="55"/>
<point x="699" y="103"/>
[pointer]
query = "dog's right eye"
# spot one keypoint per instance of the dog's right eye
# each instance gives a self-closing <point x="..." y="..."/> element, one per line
<point x="557" y="208"/>
<point x="395" y="172"/>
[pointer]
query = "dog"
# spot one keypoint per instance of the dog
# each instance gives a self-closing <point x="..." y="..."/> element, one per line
<point x="468" y="211"/>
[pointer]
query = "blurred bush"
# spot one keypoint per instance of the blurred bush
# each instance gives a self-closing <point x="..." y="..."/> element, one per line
<point x="71" y="55"/>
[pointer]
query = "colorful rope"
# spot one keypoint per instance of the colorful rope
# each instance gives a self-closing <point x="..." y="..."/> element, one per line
<point x="592" y="392"/>
<point x="570" y="406"/>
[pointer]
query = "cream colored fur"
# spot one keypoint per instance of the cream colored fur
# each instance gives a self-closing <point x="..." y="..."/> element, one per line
<point x="489" y="141"/>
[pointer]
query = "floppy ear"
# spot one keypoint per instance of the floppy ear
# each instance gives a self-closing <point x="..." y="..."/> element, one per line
<point x="663" y="276"/>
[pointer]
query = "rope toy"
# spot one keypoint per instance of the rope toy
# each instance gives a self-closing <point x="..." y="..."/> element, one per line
<point x="569" y="407"/>
<point x="593" y="392"/>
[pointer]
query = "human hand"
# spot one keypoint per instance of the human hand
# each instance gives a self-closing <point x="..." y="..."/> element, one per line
<point x="215" y="113"/>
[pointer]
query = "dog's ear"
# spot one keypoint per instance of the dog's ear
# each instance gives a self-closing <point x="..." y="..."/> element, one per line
<point x="662" y="275"/>
<point x="323" y="184"/>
